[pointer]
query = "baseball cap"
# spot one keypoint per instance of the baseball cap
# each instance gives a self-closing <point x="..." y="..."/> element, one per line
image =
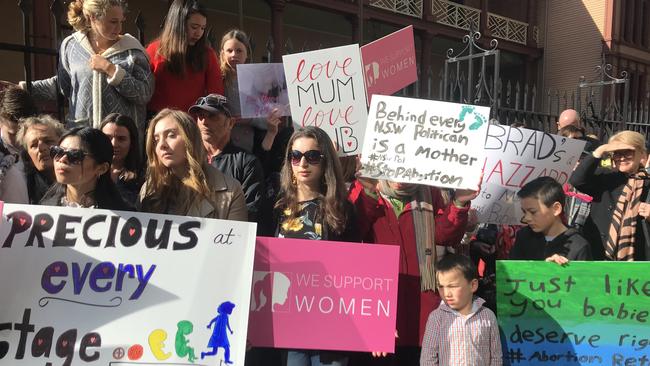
<point x="213" y="103"/>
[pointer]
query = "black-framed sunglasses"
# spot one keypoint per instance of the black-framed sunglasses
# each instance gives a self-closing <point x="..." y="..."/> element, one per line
<point x="623" y="154"/>
<point x="313" y="157"/>
<point x="75" y="156"/>
<point x="215" y="101"/>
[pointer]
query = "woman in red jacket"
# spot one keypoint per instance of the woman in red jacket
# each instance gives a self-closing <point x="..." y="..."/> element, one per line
<point x="185" y="67"/>
<point x="415" y="218"/>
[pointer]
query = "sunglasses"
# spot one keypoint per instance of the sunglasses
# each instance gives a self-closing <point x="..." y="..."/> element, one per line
<point x="218" y="102"/>
<point x="313" y="157"/>
<point x="75" y="156"/>
<point x="622" y="154"/>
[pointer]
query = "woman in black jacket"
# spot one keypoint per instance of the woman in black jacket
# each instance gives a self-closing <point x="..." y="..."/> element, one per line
<point x="82" y="162"/>
<point x="617" y="227"/>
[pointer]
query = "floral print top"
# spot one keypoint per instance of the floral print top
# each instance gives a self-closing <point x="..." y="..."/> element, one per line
<point x="307" y="225"/>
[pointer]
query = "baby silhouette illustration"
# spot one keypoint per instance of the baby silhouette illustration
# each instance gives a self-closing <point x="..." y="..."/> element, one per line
<point x="183" y="348"/>
<point x="219" y="336"/>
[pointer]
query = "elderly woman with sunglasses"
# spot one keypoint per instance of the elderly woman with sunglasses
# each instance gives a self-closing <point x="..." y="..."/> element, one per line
<point x="618" y="226"/>
<point x="313" y="205"/>
<point x="82" y="162"/>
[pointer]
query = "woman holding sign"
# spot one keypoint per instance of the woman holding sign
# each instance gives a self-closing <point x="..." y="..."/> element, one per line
<point x="617" y="227"/>
<point x="313" y="205"/>
<point x="235" y="50"/>
<point x="416" y="218"/>
<point x="179" y="179"/>
<point x="82" y="162"/>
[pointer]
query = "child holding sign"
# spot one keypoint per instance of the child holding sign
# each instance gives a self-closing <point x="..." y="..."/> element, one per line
<point x="547" y="237"/>
<point x="461" y="331"/>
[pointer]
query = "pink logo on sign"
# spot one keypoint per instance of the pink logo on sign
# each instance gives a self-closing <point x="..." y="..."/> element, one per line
<point x="313" y="294"/>
<point x="389" y="63"/>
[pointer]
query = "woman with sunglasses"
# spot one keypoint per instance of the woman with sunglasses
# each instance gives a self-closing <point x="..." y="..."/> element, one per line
<point x="82" y="162"/>
<point x="183" y="63"/>
<point x="180" y="181"/>
<point x="617" y="226"/>
<point x="313" y="205"/>
<point x="126" y="168"/>
<point x="37" y="135"/>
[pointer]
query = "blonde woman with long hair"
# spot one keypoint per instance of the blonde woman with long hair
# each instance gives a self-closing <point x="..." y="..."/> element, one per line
<point x="179" y="179"/>
<point x="101" y="71"/>
<point x="254" y="135"/>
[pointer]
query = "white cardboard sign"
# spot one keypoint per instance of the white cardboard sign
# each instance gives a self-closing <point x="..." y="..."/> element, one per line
<point x="326" y="89"/>
<point x="425" y="142"/>
<point x="90" y="286"/>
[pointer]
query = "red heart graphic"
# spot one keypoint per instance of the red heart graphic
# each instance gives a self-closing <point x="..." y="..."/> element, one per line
<point x="22" y="221"/>
<point x="43" y="221"/>
<point x="57" y="268"/>
<point x="347" y="132"/>
<point x="349" y="143"/>
<point x="39" y="341"/>
<point x="92" y="339"/>
<point x="131" y="231"/>
<point x="64" y="343"/>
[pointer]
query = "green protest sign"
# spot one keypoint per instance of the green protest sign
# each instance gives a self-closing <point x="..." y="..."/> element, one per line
<point x="586" y="313"/>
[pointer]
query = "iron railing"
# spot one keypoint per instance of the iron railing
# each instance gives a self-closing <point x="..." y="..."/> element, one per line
<point x="455" y="15"/>
<point x="507" y="28"/>
<point x="411" y="8"/>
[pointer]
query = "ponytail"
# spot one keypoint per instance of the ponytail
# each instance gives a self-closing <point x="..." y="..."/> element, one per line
<point x="76" y="16"/>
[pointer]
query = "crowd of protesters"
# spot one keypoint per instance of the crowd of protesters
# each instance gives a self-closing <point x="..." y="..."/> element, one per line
<point x="157" y="129"/>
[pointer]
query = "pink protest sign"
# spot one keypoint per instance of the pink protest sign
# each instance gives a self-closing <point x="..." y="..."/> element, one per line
<point x="314" y="294"/>
<point x="389" y="63"/>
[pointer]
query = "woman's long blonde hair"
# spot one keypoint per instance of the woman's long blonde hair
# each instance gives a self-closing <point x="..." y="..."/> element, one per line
<point x="229" y="74"/>
<point x="163" y="188"/>
<point x="79" y="12"/>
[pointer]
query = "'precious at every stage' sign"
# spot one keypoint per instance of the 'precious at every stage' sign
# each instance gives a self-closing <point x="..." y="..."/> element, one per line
<point x="98" y="287"/>
<point x="587" y="313"/>
<point x="315" y="294"/>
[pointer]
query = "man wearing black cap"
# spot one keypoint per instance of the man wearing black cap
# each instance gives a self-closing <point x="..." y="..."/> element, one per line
<point x="213" y="117"/>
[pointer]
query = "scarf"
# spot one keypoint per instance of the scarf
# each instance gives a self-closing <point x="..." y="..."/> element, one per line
<point x="423" y="213"/>
<point x="622" y="231"/>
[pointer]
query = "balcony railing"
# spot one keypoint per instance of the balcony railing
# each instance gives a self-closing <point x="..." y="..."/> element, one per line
<point x="507" y="28"/>
<point x="455" y="15"/>
<point x="407" y="7"/>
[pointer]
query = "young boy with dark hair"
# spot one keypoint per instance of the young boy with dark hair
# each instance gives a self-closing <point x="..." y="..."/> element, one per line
<point x="460" y="331"/>
<point x="547" y="237"/>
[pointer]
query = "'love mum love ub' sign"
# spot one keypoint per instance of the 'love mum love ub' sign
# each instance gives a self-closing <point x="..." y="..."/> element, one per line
<point x="326" y="90"/>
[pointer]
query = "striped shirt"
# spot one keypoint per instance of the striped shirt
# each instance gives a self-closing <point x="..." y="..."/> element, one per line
<point x="451" y="339"/>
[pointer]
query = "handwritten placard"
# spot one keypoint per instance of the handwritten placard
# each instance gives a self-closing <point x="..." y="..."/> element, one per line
<point x="497" y="205"/>
<point x="425" y="142"/>
<point x="587" y="313"/>
<point x="314" y="294"/>
<point x="90" y="286"/>
<point x="390" y="63"/>
<point x="514" y="157"/>
<point x="326" y="90"/>
<point x="262" y="88"/>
